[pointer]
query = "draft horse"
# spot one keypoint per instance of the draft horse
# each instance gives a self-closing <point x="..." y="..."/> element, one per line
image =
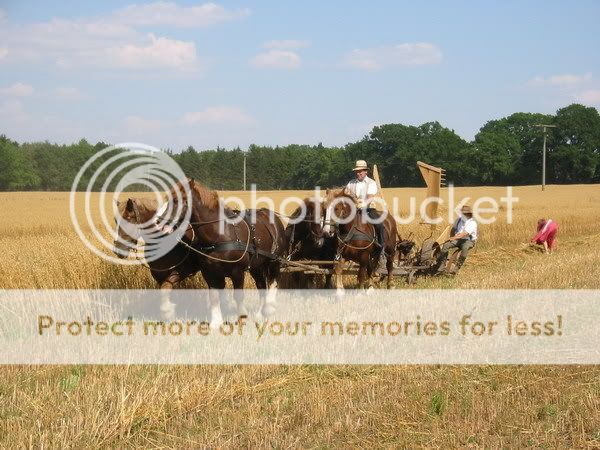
<point x="304" y="233"/>
<point x="226" y="243"/>
<point x="137" y="217"/>
<point x="356" y="239"/>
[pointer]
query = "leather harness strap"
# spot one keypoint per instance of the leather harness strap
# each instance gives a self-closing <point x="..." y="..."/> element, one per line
<point x="238" y="245"/>
<point x="356" y="235"/>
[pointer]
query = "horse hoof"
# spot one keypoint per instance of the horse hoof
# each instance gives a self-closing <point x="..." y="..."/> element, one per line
<point x="340" y="293"/>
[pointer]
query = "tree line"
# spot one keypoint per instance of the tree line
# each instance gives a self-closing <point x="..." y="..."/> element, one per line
<point x="505" y="151"/>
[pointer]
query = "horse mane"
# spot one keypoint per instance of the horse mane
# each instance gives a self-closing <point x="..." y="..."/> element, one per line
<point x="146" y="203"/>
<point x="150" y="204"/>
<point x="307" y="202"/>
<point x="336" y="192"/>
<point x="206" y="197"/>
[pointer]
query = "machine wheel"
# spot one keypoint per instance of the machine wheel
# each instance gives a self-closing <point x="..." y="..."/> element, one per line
<point x="428" y="253"/>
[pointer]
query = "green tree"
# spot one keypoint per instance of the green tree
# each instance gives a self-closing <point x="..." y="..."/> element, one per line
<point x="396" y="148"/>
<point x="496" y="157"/>
<point x="522" y="126"/>
<point x="576" y="157"/>
<point x="17" y="171"/>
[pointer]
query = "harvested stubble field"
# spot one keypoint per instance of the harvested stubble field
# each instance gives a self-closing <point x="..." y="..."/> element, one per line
<point x="308" y="406"/>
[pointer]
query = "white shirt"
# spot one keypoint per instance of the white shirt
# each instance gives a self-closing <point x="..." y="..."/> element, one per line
<point x="468" y="226"/>
<point x="361" y="189"/>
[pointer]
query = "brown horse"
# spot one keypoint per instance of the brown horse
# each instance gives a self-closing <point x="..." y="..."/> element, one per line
<point x="226" y="244"/>
<point x="173" y="267"/>
<point x="304" y="233"/>
<point x="356" y="238"/>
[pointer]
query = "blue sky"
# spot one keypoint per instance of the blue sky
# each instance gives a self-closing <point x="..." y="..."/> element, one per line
<point x="273" y="73"/>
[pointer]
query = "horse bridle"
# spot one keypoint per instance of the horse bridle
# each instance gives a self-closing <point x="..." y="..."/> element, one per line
<point x="137" y="220"/>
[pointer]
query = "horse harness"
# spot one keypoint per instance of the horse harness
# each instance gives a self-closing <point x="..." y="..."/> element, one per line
<point x="355" y="235"/>
<point x="250" y="246"/>
<point x="293" y="246"/>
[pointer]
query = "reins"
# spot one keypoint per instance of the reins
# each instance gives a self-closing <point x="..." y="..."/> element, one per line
<point x="142" y="263"/>
<point x="214" y="258"/>
<point x="191" y="248"/>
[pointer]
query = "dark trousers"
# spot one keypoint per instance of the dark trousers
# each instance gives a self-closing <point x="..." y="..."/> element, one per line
<point x="379" y="228"/>
<point x="463" y="244"/>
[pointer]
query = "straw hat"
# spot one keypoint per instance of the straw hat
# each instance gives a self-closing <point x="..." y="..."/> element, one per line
<point x="466" y="209"/>
<point x="361" y="164"/>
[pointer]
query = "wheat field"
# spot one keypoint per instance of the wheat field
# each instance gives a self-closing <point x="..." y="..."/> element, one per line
<point x="42" y="251"/>
<point x="307" y="406"/>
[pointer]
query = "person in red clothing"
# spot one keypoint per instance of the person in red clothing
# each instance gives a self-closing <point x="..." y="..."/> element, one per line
<point x="546" y="234"/>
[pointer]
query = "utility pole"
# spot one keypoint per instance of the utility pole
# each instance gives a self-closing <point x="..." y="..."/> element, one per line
<point x="544" y="128"/>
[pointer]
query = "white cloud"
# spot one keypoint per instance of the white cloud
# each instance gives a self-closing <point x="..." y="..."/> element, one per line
<point x="70" y="93"/>
<point x="566" y="80"/>
<point x="113" y="41"/>
<point x="17" y="90"/>
<point x="589" y="97"/>
<point x="408" y="54"/>
<point x="277" y="59"/>
<point x="218" y="114"/>
<point x="167" y="13"/>
<point x="70" y="45"/>
<point x="286" y="44"/>
<point x="159" y="52"/>
<point x="280" y="55"/>
<point x="580" y="88"/>
<point x="136" y="125"/>
<point x="60" y="33"/>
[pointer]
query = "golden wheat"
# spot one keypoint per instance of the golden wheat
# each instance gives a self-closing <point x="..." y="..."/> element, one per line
<point x="307" y="406"/>
<point x="42" y="250"/>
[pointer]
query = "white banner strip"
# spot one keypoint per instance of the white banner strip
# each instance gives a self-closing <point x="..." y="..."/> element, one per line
<point x="302" y="327"/>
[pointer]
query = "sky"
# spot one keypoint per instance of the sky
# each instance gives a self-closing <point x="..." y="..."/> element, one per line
<point x="232" y="73"/>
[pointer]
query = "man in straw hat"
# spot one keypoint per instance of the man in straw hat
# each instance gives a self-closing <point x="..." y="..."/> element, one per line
<point x="362" y="187"/>
<point x="463" y="236"/>
<point x="365" y="189"/>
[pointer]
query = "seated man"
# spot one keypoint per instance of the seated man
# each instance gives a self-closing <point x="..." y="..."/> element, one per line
<point x="365" y="189"/>
<point x="463" y="237"/>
